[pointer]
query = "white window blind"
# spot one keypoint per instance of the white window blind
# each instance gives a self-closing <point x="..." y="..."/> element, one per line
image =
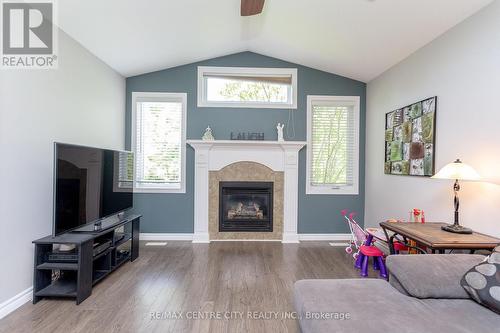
<point x="159" y="141"/>
<point x="125" y="169"/>
<point x="333" y="145"/>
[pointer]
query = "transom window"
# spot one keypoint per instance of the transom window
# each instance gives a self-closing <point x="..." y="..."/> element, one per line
<point x="332" y="144"/>
<point x="159" y="141"/>
<point x="247" y="87"/>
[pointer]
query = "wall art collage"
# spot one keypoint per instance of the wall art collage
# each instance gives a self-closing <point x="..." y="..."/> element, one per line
<point x="410" y="134"/>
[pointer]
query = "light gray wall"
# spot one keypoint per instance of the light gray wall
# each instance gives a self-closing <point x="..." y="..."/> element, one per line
<point x="81" y="102"/>
<point x="173" y="213"/>
<point x="462" y="68"/>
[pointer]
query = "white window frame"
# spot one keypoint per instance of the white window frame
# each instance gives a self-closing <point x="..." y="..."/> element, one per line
<point x="328" y="189"/>
<point x="242" y="71"/>
<point x="160" y="96"/>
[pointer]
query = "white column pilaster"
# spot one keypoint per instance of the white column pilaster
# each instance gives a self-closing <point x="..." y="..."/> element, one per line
<point x="291" y="193"/>
<point x="201" y="195"/>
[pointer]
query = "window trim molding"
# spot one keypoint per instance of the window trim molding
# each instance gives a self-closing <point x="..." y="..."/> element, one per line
<point x="202" y="89"/>
<point x="159" y="96"/>
<point x="328" y="190"/>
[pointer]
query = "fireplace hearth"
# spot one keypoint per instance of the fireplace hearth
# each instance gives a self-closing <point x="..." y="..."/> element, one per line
<point x="245" y="206"/>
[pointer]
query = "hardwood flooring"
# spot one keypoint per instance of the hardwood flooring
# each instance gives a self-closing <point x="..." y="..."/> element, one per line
<point x="182" y="279"/>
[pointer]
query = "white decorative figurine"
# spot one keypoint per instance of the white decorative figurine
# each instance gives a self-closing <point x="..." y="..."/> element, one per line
<point x="208" y="136"/>
<point x="280" y="132"/>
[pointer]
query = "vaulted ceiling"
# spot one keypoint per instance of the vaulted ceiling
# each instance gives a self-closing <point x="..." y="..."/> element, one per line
<point x="356" y="38"/>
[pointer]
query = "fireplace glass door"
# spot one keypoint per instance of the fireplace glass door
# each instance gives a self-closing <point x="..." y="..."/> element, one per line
<point x="245" y="206"/>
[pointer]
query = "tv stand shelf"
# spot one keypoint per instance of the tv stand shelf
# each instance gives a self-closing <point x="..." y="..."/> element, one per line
<point x="75" y="279"/>
<point x="63" y="288"/>
<point x="58" y="265"/>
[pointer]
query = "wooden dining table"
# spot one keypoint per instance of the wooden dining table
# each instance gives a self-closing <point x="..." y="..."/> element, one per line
<point x="430" y="237"/>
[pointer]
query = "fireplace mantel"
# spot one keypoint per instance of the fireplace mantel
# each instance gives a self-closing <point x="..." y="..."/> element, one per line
<point x="216" y="154"/>
<point x="246" y="143"/>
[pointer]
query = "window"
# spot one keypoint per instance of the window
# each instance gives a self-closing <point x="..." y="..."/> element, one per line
<point x="123" y="173"/>
<point x="159" y="142"/>
<point x="332" y="144"/>
<point x="247" y="87"/>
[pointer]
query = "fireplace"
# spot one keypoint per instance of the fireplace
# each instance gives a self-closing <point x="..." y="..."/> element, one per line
<point x="245" y="206"/>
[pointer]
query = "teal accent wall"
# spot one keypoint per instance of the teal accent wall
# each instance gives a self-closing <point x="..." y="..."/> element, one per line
<point x="174" y="213"/>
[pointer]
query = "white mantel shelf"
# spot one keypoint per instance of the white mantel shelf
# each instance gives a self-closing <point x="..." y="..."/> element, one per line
<point x="217" y="154"/>
<point x="245" y="143"/>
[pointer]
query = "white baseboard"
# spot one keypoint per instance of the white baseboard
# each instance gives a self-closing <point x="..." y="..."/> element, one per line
<point x="15" y="302"/>
<point x="190" y="237"/>
<point x="165" y="237"/>
<point x="245" y="240"/>
<point x="339" y="244"/>
<point x="324" y="237"/>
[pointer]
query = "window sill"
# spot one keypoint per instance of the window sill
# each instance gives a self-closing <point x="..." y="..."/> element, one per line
<point x="310" y="190"/>
<point x="252" y="105"/>
<point x="159" y="190"/>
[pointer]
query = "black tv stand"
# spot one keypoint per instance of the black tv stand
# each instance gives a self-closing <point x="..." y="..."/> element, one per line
<point x="74" y="279"/>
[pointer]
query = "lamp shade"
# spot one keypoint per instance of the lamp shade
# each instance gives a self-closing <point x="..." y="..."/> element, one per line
<point x="457" y="170"/>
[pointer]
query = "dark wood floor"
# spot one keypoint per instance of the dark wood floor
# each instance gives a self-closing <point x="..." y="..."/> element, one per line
<point x="220" y="278"/>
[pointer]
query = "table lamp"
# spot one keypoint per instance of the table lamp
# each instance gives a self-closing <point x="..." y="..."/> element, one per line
<point x="458" y="171"/>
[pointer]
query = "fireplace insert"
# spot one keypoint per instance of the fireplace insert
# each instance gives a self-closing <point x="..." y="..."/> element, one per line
<point x="245" y="206"/>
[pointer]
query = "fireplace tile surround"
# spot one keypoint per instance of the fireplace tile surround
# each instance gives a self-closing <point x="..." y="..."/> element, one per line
<point x="235" y="160"/>
<point x="246" y="171"/>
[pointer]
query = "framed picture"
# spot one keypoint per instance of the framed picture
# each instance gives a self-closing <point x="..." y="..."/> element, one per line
<point x="410" y="139"/>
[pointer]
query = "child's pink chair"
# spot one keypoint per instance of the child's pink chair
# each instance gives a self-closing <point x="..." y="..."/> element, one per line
<point x="363" y="242"/>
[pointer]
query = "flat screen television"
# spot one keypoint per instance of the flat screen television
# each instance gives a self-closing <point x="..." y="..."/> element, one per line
<point x="90" y="184"/>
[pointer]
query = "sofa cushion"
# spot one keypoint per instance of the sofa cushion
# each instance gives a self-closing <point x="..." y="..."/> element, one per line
<point x="482" y="282"/>
<point x="431" y="275"/>
<point x="373" y="305"/>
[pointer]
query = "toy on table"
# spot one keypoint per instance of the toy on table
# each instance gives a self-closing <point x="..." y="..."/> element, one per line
<point x="416" y="215"/>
